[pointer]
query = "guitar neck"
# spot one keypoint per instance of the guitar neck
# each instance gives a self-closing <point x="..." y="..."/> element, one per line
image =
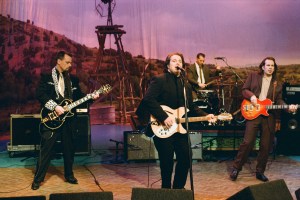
<point x="193" y="119"/>
<point x="78" y="102"/>
<point x="270" y="107"/>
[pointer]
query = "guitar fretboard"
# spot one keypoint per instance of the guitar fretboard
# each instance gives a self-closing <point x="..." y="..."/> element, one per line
<point x="277" y="107"/>
<point x="78" y="102"/>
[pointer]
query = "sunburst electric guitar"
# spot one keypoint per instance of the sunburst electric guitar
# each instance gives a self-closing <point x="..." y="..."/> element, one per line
<point x="53" y="121"/>
<point x="250" y="112"/>
<point x="161" y="131"/>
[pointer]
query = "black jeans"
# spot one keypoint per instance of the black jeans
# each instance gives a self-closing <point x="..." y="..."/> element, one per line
<point x="166" y="147"/>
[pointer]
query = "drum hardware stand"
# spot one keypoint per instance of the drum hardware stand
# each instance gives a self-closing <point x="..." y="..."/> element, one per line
<point x="237" y="77"/>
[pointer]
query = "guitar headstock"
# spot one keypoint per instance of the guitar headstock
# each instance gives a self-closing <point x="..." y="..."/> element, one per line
<point x="104" y="89"/>
<point x="225" y="117"/>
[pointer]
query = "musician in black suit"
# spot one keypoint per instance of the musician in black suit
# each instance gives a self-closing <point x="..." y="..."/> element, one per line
<point x="54" y="87"/>
<point x="168" y="89"/>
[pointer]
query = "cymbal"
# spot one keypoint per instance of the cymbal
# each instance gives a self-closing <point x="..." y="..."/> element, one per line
<point x="205" y="91"/>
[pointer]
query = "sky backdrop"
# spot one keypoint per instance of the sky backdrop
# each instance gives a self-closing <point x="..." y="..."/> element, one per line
<point x="243" y="31"/>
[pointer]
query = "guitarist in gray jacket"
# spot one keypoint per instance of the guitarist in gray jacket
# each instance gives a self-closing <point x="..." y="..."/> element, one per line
<point x="167" y="89"/>
<point x="54" y="88"/>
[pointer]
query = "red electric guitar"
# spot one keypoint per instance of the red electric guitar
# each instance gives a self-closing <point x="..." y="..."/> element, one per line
<point x="249" y="111"/>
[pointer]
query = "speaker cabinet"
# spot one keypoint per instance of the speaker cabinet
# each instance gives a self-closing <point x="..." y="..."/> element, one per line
<point x="290" y="124"/>
<point x="273" y="190"/>
<point x="160" y="194"/>
<point x="82" y="195"/>
<point x="82" y="134"/>
<point x="138" y="146"/>
<point x="24" y="132"/>
<point x="25" y="135"/>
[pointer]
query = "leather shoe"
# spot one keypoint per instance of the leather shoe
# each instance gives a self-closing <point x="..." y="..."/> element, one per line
<point x="261" y="176"/>
<point x="35" y="185"/>
<point x="72" y="180"/>
<point x="234" y="174"/>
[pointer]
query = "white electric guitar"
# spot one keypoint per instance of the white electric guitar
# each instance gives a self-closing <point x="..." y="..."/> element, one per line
<point x="161" y="131"/>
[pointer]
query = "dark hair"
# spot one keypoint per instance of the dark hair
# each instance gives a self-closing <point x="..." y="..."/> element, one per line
<point x="200" y="54"/>
<point x="168" y="59"/>
<point x="61" y="54"/>
<point x="263" y="62"/>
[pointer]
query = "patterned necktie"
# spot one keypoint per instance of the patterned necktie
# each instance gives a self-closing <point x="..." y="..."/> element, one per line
<point x="61" y="85"/>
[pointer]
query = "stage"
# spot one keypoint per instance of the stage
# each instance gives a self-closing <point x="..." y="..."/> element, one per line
<point x="113" y="173"/>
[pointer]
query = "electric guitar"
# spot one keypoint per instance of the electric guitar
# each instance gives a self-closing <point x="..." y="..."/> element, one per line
<point x="53" y="121"/>
<point x="250" y="112"/>
<point x="161" y="131"/>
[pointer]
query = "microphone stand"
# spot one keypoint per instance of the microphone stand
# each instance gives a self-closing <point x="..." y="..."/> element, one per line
<point x="187" y="129"/>
<point x="237" y="77"/>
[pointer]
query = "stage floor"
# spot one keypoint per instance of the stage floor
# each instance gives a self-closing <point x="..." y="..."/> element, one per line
<point x="211" y="180"/>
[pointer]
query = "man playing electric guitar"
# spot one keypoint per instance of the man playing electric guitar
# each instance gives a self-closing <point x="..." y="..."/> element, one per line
<point x="54" y="87"/>
<point x="168" y="89"/>
<point x="257" y="88"/>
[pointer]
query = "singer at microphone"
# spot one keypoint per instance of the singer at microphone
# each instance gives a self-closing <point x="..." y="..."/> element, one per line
<point x="219" y="58"/>
<point x="180" y="68"/>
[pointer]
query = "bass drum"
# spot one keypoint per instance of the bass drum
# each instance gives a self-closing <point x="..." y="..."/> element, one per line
<point x="207" y="106"/>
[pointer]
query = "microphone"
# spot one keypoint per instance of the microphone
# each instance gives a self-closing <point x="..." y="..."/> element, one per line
<point x="180" y="68"/>
<point x="219" y="58"/>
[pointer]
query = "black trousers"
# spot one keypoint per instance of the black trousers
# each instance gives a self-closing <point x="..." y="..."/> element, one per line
<point x="166" y="147"/>
<point x="48" y="140"/>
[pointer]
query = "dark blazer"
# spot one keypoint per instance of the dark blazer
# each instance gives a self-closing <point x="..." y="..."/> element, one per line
<point x="253" y="86"/>
<point x="46" y="90"/>
<point x="165" y="89"/>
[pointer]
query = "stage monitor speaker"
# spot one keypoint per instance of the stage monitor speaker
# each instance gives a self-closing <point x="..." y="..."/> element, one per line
<point x="24" y="198"/>
<point x="82" y="195"/>
<point x="161" y="194"/>
<point x="273" y="190"/>
<point x="297" y="194"/>
<point x="137" y="146"/>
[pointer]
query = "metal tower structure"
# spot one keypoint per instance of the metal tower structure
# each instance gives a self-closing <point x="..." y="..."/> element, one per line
<point x="114" y="71"/>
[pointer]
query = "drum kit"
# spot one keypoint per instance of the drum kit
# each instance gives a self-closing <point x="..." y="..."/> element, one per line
<point x="213" y="100"/>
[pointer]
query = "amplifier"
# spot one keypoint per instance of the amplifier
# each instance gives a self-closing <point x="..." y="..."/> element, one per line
<point x="291" y="93"/>
<point x="25" y="135"/>
<point x="137" y="146"/>
<point x="24" y="132"/>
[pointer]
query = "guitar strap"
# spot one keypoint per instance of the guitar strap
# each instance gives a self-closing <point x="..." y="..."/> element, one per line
<point x="274" y="89"/>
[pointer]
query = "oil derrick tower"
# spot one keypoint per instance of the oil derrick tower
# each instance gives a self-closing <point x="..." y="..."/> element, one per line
<point x="113" y="71"/>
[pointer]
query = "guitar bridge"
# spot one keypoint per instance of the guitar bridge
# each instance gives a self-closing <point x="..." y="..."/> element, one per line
<point x="52" y="115"/>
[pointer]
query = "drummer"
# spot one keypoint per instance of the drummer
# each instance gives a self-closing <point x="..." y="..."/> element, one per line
<point x="199" y="75"/>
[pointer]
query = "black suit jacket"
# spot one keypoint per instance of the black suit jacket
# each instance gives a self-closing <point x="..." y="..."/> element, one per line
<point x="165" y="89"/>
<point x="46" y="90"/>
